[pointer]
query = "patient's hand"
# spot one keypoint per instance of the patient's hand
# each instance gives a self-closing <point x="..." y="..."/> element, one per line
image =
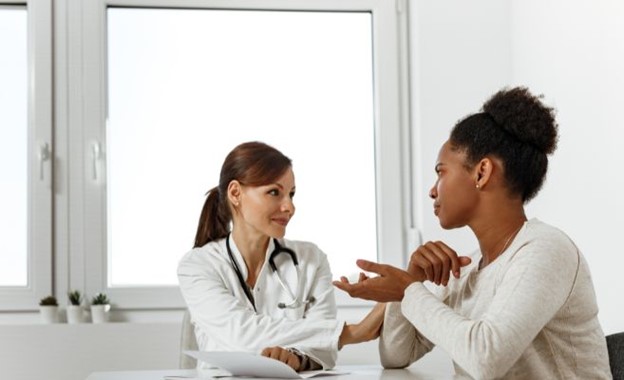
<point x="283" y="355"/>
<point x="389" y="286"/>
<point x="435" y="261"/>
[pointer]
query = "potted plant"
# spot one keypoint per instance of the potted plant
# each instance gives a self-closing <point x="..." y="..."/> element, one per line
<point x="100" y="306"/>
<point x="74" y="308"/>
<point x="48" y="308"/>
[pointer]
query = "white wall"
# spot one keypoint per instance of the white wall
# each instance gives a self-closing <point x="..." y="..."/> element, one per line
<point x="72" y="352"/>
<point x="460" y="54"/>
<point x="573" y="53"/>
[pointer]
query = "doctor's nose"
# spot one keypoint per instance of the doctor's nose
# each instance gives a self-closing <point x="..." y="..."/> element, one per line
<point x="288" y="206"/>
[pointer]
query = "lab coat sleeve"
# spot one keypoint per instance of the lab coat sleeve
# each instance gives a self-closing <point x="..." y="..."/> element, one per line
<point x="321" y="288"/>
<point x="323" y="308"/>
<point x="232" y="326"/>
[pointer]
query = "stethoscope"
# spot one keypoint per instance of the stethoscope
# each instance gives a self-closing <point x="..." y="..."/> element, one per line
<point x="294" y="303"/>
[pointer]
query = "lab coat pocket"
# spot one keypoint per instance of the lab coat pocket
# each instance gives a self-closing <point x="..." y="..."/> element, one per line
<point x="295" y="313"/>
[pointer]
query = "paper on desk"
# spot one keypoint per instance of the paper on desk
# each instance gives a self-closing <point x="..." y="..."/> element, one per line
<point x="251" y="365"/>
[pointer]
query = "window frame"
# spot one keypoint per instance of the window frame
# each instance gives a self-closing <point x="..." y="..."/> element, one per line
<point x="40" y="184"/>
<point x="87" y="217"/>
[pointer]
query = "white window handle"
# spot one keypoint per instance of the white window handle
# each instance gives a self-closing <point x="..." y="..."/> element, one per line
<point x="42" y="156"/>
<point x="96" y="154"/>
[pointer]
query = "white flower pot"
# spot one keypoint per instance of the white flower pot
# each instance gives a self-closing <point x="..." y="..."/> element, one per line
<point x="74" y="314"/>
<point x="99" y="313"/>
<point x="49" y="314"/>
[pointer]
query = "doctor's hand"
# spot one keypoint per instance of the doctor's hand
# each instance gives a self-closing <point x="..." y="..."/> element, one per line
<point x="283" y="355"/>
<point x="367" y="329"/>
<point x="389" y="286"/>
<point x="435" y="261"/>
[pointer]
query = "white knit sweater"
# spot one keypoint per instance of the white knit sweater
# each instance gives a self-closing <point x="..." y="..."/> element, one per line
<point x="530" y="314"/>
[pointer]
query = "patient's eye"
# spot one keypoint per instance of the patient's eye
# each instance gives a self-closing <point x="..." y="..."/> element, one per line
<point x="438" y="169"/>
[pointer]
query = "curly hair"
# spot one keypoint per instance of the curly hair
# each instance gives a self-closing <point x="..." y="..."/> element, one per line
<point x="516" y="127"/>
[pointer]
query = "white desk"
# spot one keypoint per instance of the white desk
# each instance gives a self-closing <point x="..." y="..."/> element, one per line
<point x="355" y="372"/>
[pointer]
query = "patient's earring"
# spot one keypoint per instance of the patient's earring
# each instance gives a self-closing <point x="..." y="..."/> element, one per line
<point x="478" y="186"/>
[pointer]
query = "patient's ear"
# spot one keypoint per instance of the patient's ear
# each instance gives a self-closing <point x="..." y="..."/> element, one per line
<point x="483" y="172"/>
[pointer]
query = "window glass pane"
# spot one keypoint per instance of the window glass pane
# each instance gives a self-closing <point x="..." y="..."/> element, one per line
<point x="186" y="86"/>
<point x="13" y="147"/>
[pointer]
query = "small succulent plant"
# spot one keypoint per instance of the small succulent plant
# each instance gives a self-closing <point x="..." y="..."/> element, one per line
<point x="48" y="301"/>
<point x="75" y="297"/>
<point x="100" y="299"/>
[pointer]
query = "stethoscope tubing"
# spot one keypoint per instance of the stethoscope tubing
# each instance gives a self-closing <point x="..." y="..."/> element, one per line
<point x="239" y="275"/>
<point x="276" y="251"/>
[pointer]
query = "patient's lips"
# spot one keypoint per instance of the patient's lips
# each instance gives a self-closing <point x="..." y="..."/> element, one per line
<point x="436" y="209"/>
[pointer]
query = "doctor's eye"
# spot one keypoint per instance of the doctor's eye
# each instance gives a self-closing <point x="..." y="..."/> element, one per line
<point x="274" y="192"/>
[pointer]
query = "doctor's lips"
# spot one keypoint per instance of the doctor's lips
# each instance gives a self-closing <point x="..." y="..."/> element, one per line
<point x="436" y="208"/>
<point x="281" y="221"/>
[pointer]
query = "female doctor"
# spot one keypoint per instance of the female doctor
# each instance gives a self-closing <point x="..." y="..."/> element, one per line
<point x="249" y="289"/>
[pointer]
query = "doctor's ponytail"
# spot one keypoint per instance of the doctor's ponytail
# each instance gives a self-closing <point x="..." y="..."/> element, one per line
<point x="214" y="219"/>
<point x="252" y="164"/>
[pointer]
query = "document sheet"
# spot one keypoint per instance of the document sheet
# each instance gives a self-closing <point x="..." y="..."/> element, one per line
<point x="245" y="364"/>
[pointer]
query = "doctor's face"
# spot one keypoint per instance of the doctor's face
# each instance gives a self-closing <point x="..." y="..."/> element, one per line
<point x="454" y="194"/>
<point x="267" y="209"/>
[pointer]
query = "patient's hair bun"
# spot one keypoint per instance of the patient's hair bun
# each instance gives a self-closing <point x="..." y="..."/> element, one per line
<point x="525" y="117"/>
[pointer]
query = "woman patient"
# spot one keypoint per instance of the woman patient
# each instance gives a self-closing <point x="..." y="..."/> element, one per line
<point x="523" y="307"/>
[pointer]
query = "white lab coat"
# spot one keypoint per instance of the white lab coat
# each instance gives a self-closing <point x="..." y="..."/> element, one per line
<point x="225" y="320"/>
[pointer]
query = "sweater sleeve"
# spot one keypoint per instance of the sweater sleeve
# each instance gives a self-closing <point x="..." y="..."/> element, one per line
<point x="400" y="344"/>
<point x="537" y="282"/>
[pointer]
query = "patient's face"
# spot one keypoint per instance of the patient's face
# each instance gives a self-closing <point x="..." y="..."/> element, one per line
<point x="454" y="193"/>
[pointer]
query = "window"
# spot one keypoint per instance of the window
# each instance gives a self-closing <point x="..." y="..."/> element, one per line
<point x="149" y="92"/>
<point x="13" y="146"/>
<point x="25" y="149"/>
<point x="203" y="81"/>
<point x="166" y="100"/>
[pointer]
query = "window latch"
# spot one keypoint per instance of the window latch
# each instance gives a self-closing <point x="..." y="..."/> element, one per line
<point x="42" y="156"/>
<point x="96" y="155"/>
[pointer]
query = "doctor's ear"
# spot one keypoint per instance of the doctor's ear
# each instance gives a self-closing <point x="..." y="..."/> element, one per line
<point x="234" y="192"/>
